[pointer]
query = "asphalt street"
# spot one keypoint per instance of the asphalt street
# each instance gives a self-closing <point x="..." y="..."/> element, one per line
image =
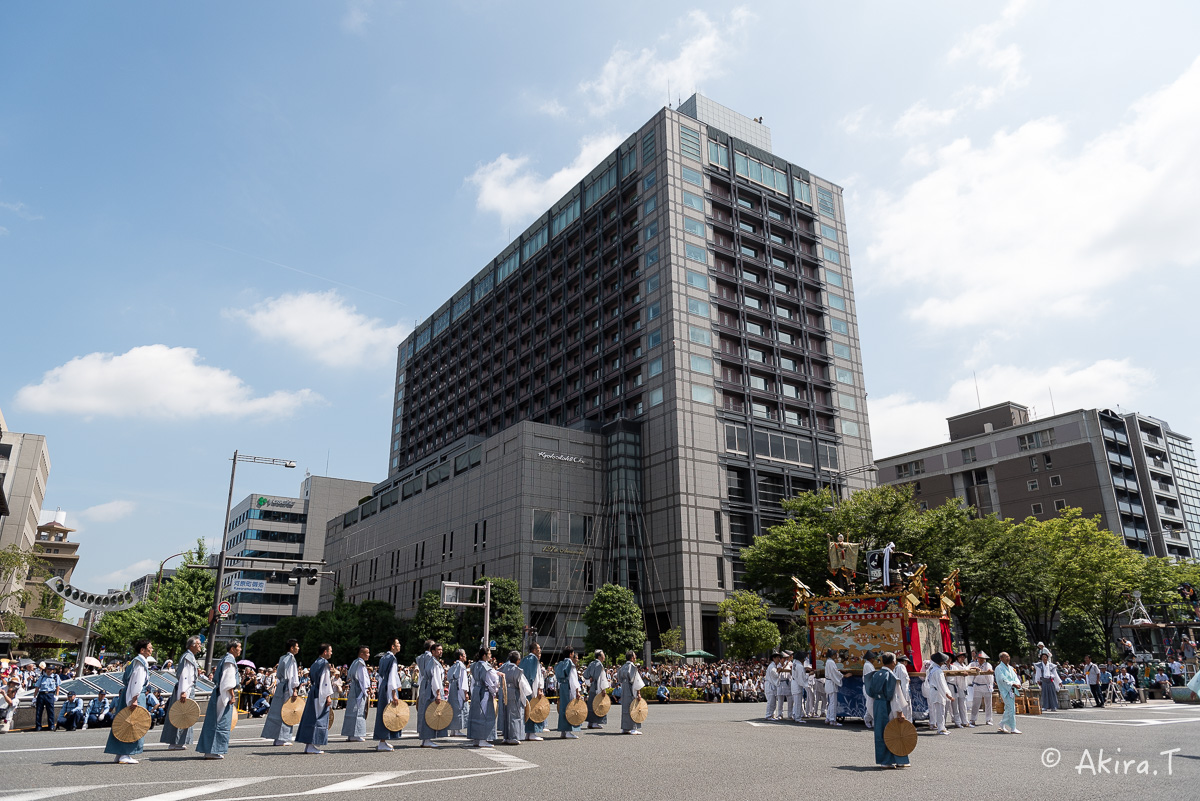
<point x="689" y="750"/>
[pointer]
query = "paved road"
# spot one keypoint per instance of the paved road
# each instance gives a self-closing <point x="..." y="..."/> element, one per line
<point x="689" y="751"/>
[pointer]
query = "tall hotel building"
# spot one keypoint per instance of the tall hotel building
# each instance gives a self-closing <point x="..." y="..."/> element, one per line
<point x="627" y="391"/>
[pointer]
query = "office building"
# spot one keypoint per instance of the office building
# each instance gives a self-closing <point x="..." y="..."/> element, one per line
<point x="277" y="527"/>
<point x="1130" y="469"/>
<point x="24" y="474"/>
<point x="143" y="587"/>
<point x="627" y="391"/>
<point x="57" y="554"/>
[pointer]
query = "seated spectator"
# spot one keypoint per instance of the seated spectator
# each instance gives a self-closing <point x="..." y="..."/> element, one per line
<point x="99" y="711"/>
<point x="1163" y="682"/>
<point x="260" y="708"/>
<point x="72" y="714"/>
<point x="616" y="694"/>
<point x="8" y="703"/>
<point x="663" y="695"/>
<point x="155" y="707"/>
<point x="1129" y="688"/>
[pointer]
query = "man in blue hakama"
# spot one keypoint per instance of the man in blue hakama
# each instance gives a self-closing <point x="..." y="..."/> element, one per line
<point x="136" y="673"/>
<point x="313" y="730"/>
<point x="535" y="674"/>
<point x="387" y="692"/>
<point x="218" y="718"/>
<point x="888" y="702"/>
<point x="185" y="685"/>
<point x="485" y="688"/>
<point x="354" y="724"/>
<point x="630" y="681"/>
<point x="567" y="674"/>
<point x="431" y="674"/>
<point x="513" y="700"/>
<point x="459" y="693"/>
<point x="287" y="687"/>
<point x="597" y="679"/>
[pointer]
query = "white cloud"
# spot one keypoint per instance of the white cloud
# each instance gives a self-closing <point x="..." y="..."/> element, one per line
<point x="920" y="119"/>
<point x="1027" y="226"/>
<point x="552" y="108"/>
<point x="21" y="210"/>
<point x="901" y="422"/>
<point x="510" y="188"/>
<point x="325" y="327"/>
<point x="982" y="45"/>
<point x="122" y="576"/>
<point x="701" y="57"/>
<point x="109" y="512"/>
<point x="3" y="231"/>
<point x="356" y="18"/>
<point x="152" y="381"/>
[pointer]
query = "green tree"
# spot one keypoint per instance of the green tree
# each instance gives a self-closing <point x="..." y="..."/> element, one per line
<point x="117" y="631"/>
<point x="793" y="635"/>
<point x="745" y="628"/>
<point x="506" y="626"/>
<point x="179" y="608"/>
<point x="996" y="628"/>
<point x="614" y="621"/>
<point x="1078" y="635"/>
<point x="15" y="566"/>
<point x="431" y="622"/>
<point x="50" y="606"/>
<point x="265" y="646"/>
<point x="672" y="639"/>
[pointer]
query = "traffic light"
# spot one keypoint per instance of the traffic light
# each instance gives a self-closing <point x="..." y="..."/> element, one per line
<point x="308" y="573"/>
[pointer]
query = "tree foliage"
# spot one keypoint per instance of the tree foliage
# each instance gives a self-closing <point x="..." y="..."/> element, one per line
<point x="614" y="621"/>
<point x="672" y="640"/>
<point x="507" y="624"/>
<point x="345" y="627"/>
<point x="995" y="628"/>
<point x="15" y="566"/>
<point x="431" y="622"/>
<point x="1078" y="635"/>
<point x="745" y="628"/>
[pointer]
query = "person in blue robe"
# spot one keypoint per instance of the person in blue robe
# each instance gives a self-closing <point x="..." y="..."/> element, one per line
<point x="514" y="697"/>
<point x="387" y="691"/>
<point x="629" y="682"/>
<point x="136" y="674"/>
<point x="1007" y="683"/>
<point x="459" y="693"/>
<point x="597" y="685"/>
<point x="888" y="704"/>
<point x="358" y="697"/>
<point x="287" y="687"/>
<point x="185" y="686"/>
<point x="567" y="674"/>
<point x="431" y="675"/>
<point x="218" y="718"/>
<point x="313" y="730"/>
<point x="485" y="689"/>
<point x="535" y="674"/>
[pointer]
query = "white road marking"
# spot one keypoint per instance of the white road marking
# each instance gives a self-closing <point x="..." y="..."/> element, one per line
<point x="1135" y="722"/>
<point x="48" y="792"/>
<point x="753" y="723"/>
<point x="155" y="746"/>
<point x="205" y="789"/>
<point x="358" y="783"/>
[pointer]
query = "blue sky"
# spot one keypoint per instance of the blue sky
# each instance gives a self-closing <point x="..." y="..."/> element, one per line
<point x="218" y="220"/>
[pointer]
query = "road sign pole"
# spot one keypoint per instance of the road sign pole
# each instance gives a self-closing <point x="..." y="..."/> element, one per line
<point x="487" y="612"/>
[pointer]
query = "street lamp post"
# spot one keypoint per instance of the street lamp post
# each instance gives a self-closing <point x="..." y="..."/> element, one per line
<point x="212" y="627"/>
<point x="158" y="581"/>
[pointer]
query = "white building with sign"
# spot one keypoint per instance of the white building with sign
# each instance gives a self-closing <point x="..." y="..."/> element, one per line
<point x="277" y="527"/>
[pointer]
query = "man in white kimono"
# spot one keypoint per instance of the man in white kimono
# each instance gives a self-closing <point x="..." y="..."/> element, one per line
<point x="535" y="674"/>
<point x="833" y="681"/>
<point x="287" y="687"/>
<point x="771" y="686"/>
<point x="938" y="693"/>
<point x="137" y="672"/>
<point x="459" y="693"/>
<point x="904" y="681"/>
<point x="432" y="674"/>
<point x="387" y="692"/>
<point x="960" y="688"/>
<point x="185" y="684"/>
<point x="630" y="680"/>
<point x="868" y="669"/>
<point x="981" y="689"/>
<point x="597" y="679"/>
<point x="797" y="684"/>
<point x="354" y="723"/>
<point x="313" y="730"/>
<point x="218" y="718"/>
<point x="813" y="703"/>
<point x="514" y="700"/>
<point x="485" y="689"/>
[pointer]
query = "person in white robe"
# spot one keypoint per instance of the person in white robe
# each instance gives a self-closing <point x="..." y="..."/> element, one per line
<point x="137" y="672"/>
<point x="485" y="689"/>
<point x="513" y="700"/>
<point x="597" y="684"/>
<point x="814" y="692"/>
<point x="833" y="681"/>
<point x="313" y="729"/>
<point x="431" y="673"/>
<point x="867" y="670"/>
<point x="459" y="693"/>
<point x="218" y="718"/>
<point x="938" y="693"/>
<point x="629" y="679"/>
<point x="905" y="682"/>
<point x="1045" y="675"/>
<point x="771" y="686"/>
<point x="387" y="692"/>
<point x="981" y="690"/>
<point x="960" y="688"/>
<point x="358" y="693"/>
<point x="287" y="687"/>
<point x="797" y="684"/>
<point x="566" y="673"/>
<point x="185" y="685"/>
<point x="535" y="674"/>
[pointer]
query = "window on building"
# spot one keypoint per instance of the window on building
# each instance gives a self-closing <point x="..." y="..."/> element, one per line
<point x="718" y="154"/>
<point x="720" y="572"/>
<point x="693" y="177"/>
<point x="841" y="351"/>
<point x="695" y="253"/>
<point x="652" y="283"/>
<point x="655" y="367"/>
<point x="1036" y="508"/>
<point x="581" y="529"/>
<point x="1031" y="485"/>
<point x="844" y="376"/>
<point x="829" y="232"/>
<point x="737" y="439"/>
<point x="839" y="326"/>
<point x="654" y="310"/>
<point x="1038" y="439"/>
<point x="651" y="230"/>
<point x="701" y="336"/>
<point x="545" y="525"/>
<point x="689" y="142"/>
<point x="1056" y="481"/>
<point x="1033" y="464"/>
<point x="697" y="280"/>
<point x="545" y="573"/>
<point x="651" y="257"/>
<point x="837" y="302"/>
<point x="834" y="279"/>
<point x="701" y="364"/>
<point x="693" y="201"/>
<point x="909" y="469"/>
<point x="702" y="394"/>
<point x="849" y="428"/>
<point x="654" y="338"/>
<point x="825" y="201"/>
<point x="698" y="307"/>
<point x="694" y="227"/>
<point x="656" y="396"/>
<point x="1059" y="505"/>
<point x="846" y="401"/>
<point x="1047" y="458"/>
<point x="968" y="455"/>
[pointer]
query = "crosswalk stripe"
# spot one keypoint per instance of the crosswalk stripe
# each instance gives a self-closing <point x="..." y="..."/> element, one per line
<point x="358" y="783"/>
<point x="48" y="792"/>
<point x="204" y="789"/>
